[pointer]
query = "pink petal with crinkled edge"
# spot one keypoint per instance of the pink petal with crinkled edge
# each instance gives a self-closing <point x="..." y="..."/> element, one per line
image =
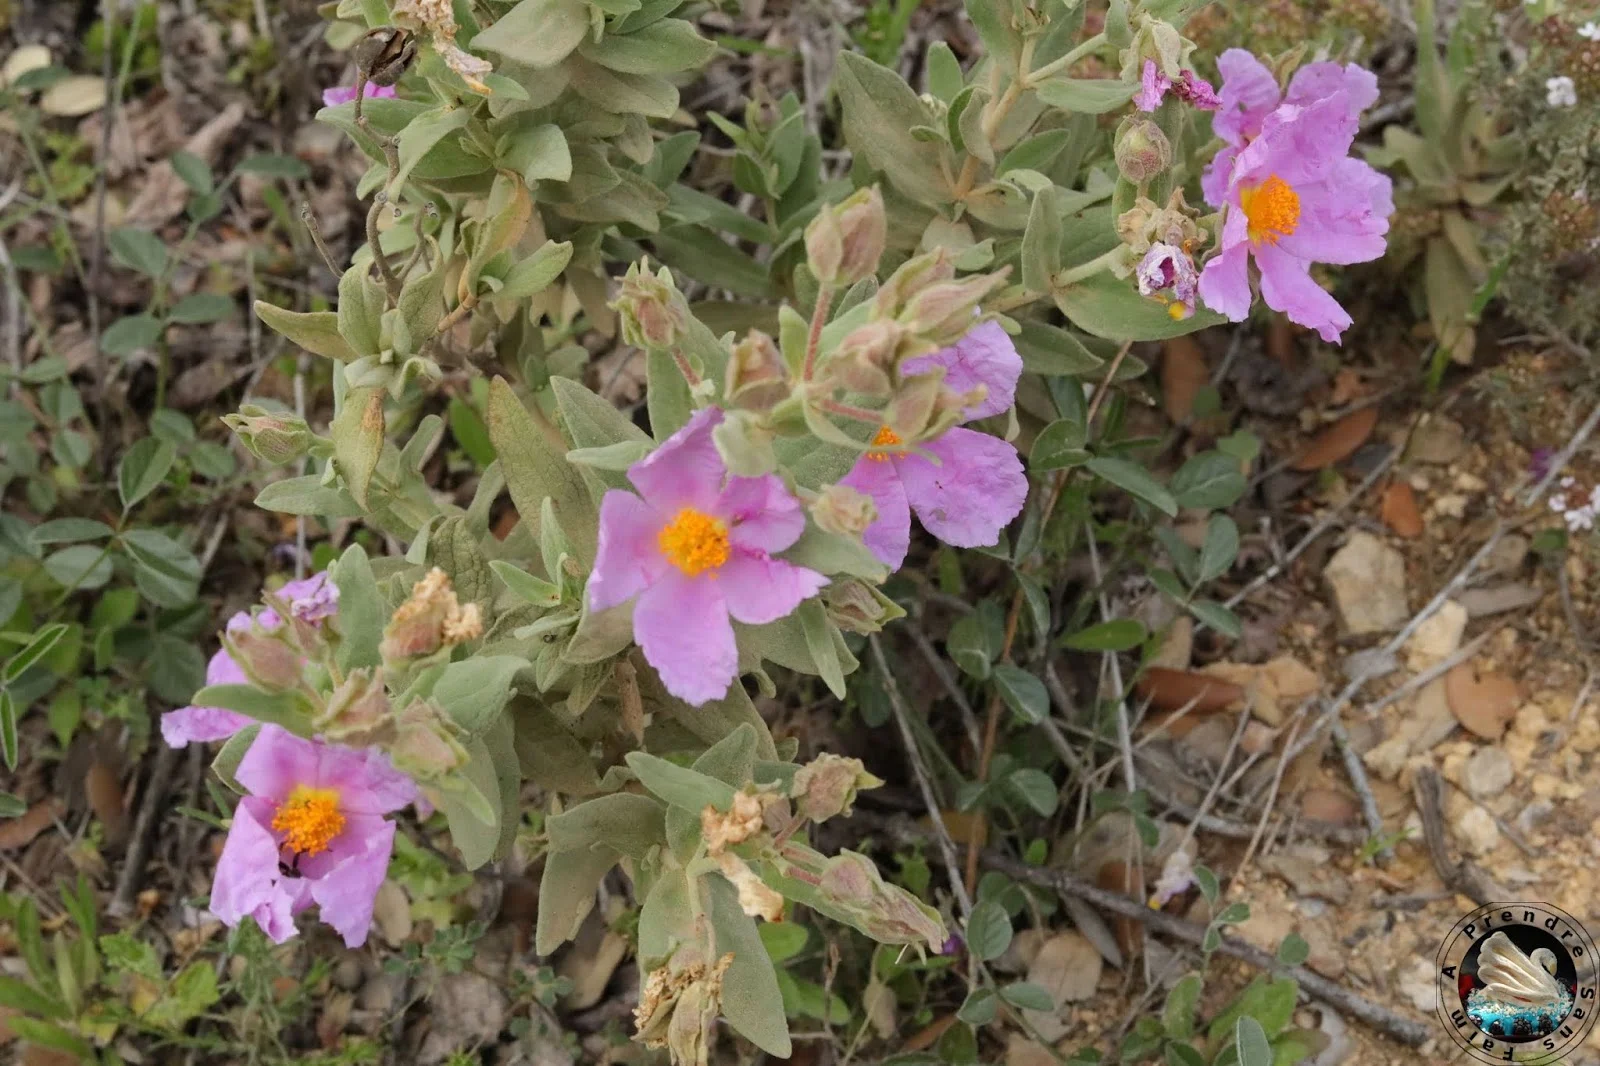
<point x="681" y="624"/>
<point x="347" y="890"/>
<point x="1225" y="281"/>
<point x="986" y="356"/>
<point x="628" y="556"/>
<point x="975" y="491"/>
<point x="1286" y="286"/>
<point x="762" y="514"/>
<point x="247" y="881"/>
<point x="1249" y="93"/>
<point x="889" y="536"/>
<point x="685" y="471"/>
<point x="759" y="589"/>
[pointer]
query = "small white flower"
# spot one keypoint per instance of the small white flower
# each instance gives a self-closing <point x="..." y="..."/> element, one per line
<point x="1590" y="31"/>
<point x="1558" y="503"/>
<point x="1560" y="92"/>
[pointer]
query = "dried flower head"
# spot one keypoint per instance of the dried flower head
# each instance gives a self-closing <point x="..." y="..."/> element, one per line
<point x="721" y="830"/>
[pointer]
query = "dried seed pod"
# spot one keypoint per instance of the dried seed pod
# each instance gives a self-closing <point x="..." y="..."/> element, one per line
<point x="384" y="54"/>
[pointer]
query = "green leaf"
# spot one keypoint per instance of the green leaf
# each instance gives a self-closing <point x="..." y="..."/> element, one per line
<point x="678" y="785"/>
<point x="143" y="467"/>
<point x="1217" y="617"/>
<point x="193" y="171"/>
<point x="474" y="691"/>
<point x="357" y="433"/>
<point x="1027" y="996"/>
<point x="36" y="649"/>
<point x="231" y="754"/>
<point x="820" y="642"/>
<point x="277" y="708"/>
<point x="307" y="496"/>
<point x="1177" y="1016"/>
<point x="1022" y="692"/>
<point x="1210" y="480"/>
<point x="419" y="137"/>
<point x="988" y="930"/>
<point x="1059" y="445"/>
<point x="535" y="273"/>
<point x="1111" y="308"/>
<point x="619" y="93"/>
<point x="473" y="807"/>
<point x="12" y="806"/>
<point x="80" y="566"/>
<point x="536" y="470"/>
<point x="664" y="47"/>
<point x="1047" y="349"/>
<point x="625" y="822"/>
<point x="176" y="668"/>
<point x="167" y="573"/>
<point x="968" y="647"/>
<point x="1035" y="153"/>
<point x="1086" y="96"/>
<point x="751" y="1001"/>
<point x="1118" y="634"/>
<point x="69" y="531"/>
<point x="8" y="735"/>
<point x="879" y="112"/>
<point x="315" y="331"/>
<point x="1220" y="548"/>
<point x="980" y="1007"/>
<point x="1250" y="1042"/>
<point x="1001" y="41"/>
<point x="536" y="591"/>
<point x="361" y="305"/>
<point x="362" y="612"/>
<point x="536" y="33"/>
<point x="1294" y="950"/>
<point x="126" y="953"/>
<point x="592" y="422"/>
<point x="1234" y="913"/>
<point x="783" y="940"/>
<point x="132" y="333"/>
<point x="199" y="308"/>
<point x="1041" y="241"/>
<point x="273" y="165"/>
<point x="138" y="249"/>
<point x="1134" y="480"/>
<point x="1036" y="789"/>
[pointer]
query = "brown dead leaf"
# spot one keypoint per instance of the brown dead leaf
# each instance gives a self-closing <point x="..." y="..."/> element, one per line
<point x="1170" y="690"/>
<point x="20" y="832"/>
<point x="1327" y="805"/>
<point x="1117" y="876"/>
<point x="162" y="193"/>
<point x="104" y="790"/>
<point x="961" y="825"/>
<point x="1021" y="1051"/>
<point x="1484" y="704"/>
<point x="1347" y="386"/>
<point x="929" y="1036"/>
<point x="1183" y="373"/>
<point x="1068" y="967"/>
<point x="1280" y="339"/>
<point x="1339" y="440"/>
<point x="1400" y="512"/>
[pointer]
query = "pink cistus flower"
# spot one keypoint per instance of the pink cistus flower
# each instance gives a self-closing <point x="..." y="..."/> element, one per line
<point x="1289" y="192"/>
<point x="1167" y="272"/>
<point x="311" y="599"/>
<point x="346" y="94"/>
<point x="311" y="831"/>
<point x="977" y="486"/>
<point x="1190" y="87"/>
<point x="694" y="549"/>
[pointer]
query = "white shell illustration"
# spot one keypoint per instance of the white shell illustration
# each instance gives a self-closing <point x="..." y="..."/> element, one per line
<point x="1512" y="977"/>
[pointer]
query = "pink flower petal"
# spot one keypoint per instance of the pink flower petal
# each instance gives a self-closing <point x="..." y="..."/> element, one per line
<point x="1317" y="80"/>
<point x="276" y="763"/>
<point x="339" y="94"/>
<point x="888" y="538"/>
<point x="347" y="891"/>
<point x="685" y="471"/>
<point x="200" y="725"/>
<point x="759" y="589"/>
<point x="247" y="878"/>
<point x="975" y="492"/>
<point x="364" y="778"/>
<point x="628" y="558"/>
<point x="1153" y="85"/>
<point x="682" y="625"/>
<point x="1214" y="181"/>
<point x="1249" y="93"/>
<point x="1337" y="221"/>
<point x="1286" y="286"/>
<point x="312" y="599"/>
<point x="762" y="514"/>
<point x="986" y="356"/>
<point x="1225" y="281"/>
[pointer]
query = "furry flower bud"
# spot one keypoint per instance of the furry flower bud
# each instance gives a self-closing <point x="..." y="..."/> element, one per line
<point x="857" y="607"/>
<point x="914" y="275"/>
<point x="266" y="657"/>
<point x="757" y="376"/>
<point x="653" y="314"/>
<point x="841" y="510"/>
<point x="864" y="360"/>
<point x="425" y="745"/>
<point x="1142" y="150"/>
<point x="827" y="786"/>
<point x="271" y="436"/>
<point x="942" y="313"/>
<point x="845" y="241"/>
<point x="357" y="709"/>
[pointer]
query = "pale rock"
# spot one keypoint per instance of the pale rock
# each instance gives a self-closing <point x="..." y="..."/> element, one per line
<point x="391" y="913"/>
<point x="1450" y="505"/>
<point x="1368" y="580"/>
<point x="1431" y="720"/>
<point x="1498" y="599"/>
<point x="1521" y="743"/>
<point x="1438" y="637"/>
<point x="1389" y="758"/>
<point x="1420" y="984"/>
<point x="1507" y="556"/>
<point x="1022" y="1051"/>
<point x="1533" y="816"/>
<point x="467" y="1010"/>
<point x="1487" y="773"/>
<point x="1549" y="786"/>
<point x="1470" y="482"/>
<point x="1439" y="440"/>
<point x="1176" y="645"/>
<point x="1477" y="832"/>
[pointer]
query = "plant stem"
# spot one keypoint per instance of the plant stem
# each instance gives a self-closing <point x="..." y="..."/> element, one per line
<point x="845" y="410"/>
<point x="819" y="319"/>
<point x="1057" y="66"/>
<point x="1073" y="275"/>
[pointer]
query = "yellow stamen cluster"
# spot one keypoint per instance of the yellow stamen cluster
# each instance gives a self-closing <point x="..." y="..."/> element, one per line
<point x="309" y="820"/>
<point x="694" y="541"/>
<point x="1273" y="209"/>
<point x="885" y="438"/>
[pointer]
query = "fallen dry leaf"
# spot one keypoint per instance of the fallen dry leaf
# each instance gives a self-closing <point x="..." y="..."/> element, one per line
<point x="929" y="1036"/>
<point x="1183" y="373"/>
<point x="20" y="832"/>
<point x="1484" y="704"/>
<point x="1347" y="386"/>
<point x="1327" y="805"/>
<point x="28" y="58"/>
<point x="104" y="790"/>
<point x="1171" y="690"/>
<point x="1118" y="876"/>
<point x="1021" y="1051"/>
<point x="1339" y="440"/>
<point x="1280" y="339"/>
<point x="162" y="194"/>
<point x="1400" y="512"/>
<point x="1068" y="967"/>
<point x="74" y="96"/>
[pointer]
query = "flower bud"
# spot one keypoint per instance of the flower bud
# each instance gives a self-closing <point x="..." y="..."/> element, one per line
<point x="856" y="892"/>
<point x="357" y="709"/>
<point x="827" y="786"/>
<point x="384" y="54"/>
<point x="744" y="442"/>
<point x="1142" y="150"/>
<point x="942" y="313"/>
<point x="757" y="376"/>
<point x="864" y="360"/>
<point x="653" y="313"/>
<point x="914" y="274"/>
<point x="425" y="745"/>
<point x="911" y="409"/>
<point x="857" y="607"/>
<point x="1159" y="41"/>
<point x="266" y="657"/>
<point x="845" y="241"/>
<point x="843" y="511"/>
<point x="270" y="436"/>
